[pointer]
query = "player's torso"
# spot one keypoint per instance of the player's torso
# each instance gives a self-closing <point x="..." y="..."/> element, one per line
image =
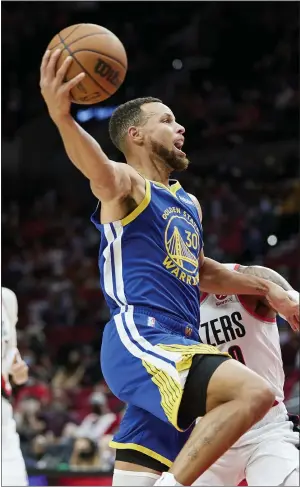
<point x="151" y="258"/>
<point x="225" y="323"/>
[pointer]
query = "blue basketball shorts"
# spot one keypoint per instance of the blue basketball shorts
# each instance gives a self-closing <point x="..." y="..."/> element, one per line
<point x="145" y="360"/>
<point x="143" y="432"/>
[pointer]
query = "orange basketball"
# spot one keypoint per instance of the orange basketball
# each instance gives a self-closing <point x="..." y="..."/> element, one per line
<point x="97" y="52"/>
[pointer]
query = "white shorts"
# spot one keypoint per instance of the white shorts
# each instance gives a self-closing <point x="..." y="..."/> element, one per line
<point x="265" y="456"/>
<point x="13" y="466"/>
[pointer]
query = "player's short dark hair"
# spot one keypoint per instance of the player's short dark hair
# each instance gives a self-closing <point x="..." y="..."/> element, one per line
<point x="125" y="116"/>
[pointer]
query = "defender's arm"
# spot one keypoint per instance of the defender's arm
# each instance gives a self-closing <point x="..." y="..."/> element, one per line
<point x="264" y="272"/>
<point x="214" y="278"/>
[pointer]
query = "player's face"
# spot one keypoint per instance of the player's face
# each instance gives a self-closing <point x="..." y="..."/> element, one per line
<point x="164" y="136"/>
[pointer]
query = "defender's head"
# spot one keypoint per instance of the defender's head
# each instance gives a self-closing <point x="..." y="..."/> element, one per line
<point x="148" y="123"/>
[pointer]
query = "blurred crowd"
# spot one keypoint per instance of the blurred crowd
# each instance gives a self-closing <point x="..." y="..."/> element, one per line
<point x="230" y="74"/>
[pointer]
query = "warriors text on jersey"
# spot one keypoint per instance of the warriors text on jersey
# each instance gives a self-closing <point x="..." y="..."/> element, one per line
<point x="150" y="259"/>
<point x="227" y="324"/>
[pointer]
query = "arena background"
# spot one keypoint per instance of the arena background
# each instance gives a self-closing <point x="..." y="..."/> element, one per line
<point x="229" y="72"/>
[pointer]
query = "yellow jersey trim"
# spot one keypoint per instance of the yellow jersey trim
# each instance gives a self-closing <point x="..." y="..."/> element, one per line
<point x="140" y="208"/>
<point x="173" y="189"/>
<point x="141" y="449"/>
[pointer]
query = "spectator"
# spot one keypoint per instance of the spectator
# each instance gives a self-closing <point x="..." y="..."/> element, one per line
<point x="70" y="375"/>
<point x="85" y="455"/>
<point x="100" y="421"/>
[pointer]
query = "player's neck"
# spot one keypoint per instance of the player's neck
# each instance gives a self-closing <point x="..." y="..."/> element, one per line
<point x="150" y="168"/>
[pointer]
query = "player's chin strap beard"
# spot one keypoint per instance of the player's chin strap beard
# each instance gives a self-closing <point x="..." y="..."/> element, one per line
<point x="168" y="158"/>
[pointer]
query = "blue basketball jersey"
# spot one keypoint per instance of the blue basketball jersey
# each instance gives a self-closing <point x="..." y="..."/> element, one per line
<point x="150" y="258"/>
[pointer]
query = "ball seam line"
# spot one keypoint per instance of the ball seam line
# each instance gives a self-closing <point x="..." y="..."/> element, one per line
<point x="70" y="33"/>
<point x="88" y="35"/>
<point x="82" y="67"/>
<point x="101" y="54"/>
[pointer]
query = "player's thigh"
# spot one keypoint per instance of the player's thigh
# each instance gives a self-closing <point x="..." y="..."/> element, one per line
<point x="227" y="470"/>
<point x="194" y="400"/>
<point x="146" y="441"/>
<point x="128" y="478"/>
<point x="272" y="462"/>
<point x="216" y="379"/>
<point x="233" y="380"/>
<point x="148" y="366"/>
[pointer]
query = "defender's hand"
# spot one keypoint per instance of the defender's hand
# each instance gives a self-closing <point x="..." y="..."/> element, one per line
<point x="19" y="370"/>
<point x="55" y="91"/>
<point x="280" y="301"/>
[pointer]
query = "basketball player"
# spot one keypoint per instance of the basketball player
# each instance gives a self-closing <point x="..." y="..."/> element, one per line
<point x="151" y="262"/>
<point x="13" y="467"/>
<point x="244" y="326"/>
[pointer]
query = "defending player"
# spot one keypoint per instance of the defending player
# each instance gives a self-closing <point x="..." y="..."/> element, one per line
<point x="246" y="327"/>
<point x="13" y="467"/>
<point x="151" y="262"/>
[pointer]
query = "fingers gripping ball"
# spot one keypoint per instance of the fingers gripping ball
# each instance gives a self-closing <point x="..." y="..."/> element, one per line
<point x="99" y="54"/>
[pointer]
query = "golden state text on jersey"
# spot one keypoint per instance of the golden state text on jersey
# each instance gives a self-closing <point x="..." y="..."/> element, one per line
<point x="150" y="258"/>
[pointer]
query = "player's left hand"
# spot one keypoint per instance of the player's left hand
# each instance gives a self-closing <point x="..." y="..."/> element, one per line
<point x="19" y="370"/>
<point x="280" y="301"/>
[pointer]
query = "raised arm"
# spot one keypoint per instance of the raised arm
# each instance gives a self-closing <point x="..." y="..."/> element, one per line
<point x="109" y="180"/>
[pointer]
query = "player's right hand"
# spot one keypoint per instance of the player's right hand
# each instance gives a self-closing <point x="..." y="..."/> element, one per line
<point x="55" y="91"/>
<point x="280" y="301"/>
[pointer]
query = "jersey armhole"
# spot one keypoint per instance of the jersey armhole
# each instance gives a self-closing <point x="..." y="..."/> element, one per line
<point x="253" y="314"/>
<point x="95" y="218"/>
<point x="141" y="207"/>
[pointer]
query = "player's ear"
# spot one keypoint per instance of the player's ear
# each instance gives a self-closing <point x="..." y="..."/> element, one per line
<point x="135" y="134"/>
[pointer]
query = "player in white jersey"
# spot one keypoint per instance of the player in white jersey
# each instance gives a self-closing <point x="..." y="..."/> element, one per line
<point x="13" y="467"/>
<point x="246" y="327"/>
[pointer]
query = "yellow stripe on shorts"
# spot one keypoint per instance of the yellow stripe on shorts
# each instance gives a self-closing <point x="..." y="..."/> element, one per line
<point x="189" y="351"/>
<point x="170" y="390"/>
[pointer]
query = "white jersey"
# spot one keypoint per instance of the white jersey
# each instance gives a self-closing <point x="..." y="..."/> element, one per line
<point x="227" y="324"/>
<point x="13" y="467"/>
<point x="266" y="454"/>
<point x="8" y="333"/>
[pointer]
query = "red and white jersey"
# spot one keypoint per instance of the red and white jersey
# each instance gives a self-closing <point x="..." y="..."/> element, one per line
<point x="227" y="324"/>
<point x="8" y="335"/>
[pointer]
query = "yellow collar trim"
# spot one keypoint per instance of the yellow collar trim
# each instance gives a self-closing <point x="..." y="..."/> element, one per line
<point x="173" y="188"/>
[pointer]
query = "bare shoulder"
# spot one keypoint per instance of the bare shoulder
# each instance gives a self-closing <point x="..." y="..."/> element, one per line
<point x="136" y="185"/>
<point x="133" y="191"/>
<point x="197" y="204"/>
<point x="125" y="182"/>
